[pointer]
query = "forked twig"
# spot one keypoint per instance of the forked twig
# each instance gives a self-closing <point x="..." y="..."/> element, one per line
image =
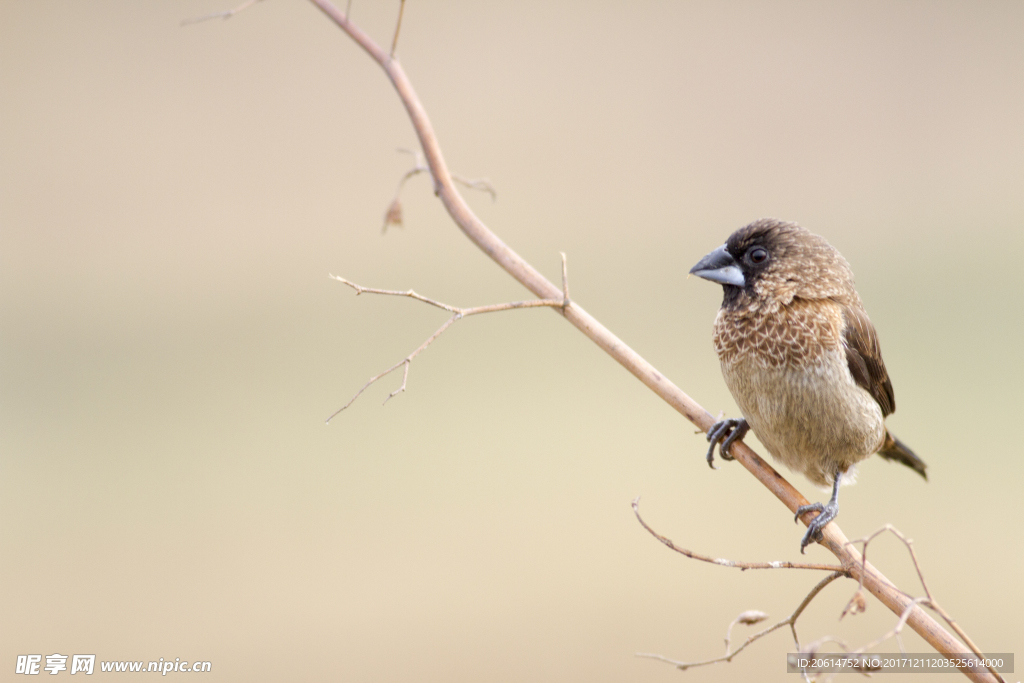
<point x="894" y="632"/>
<point x="856" y="603"/>
<point x="788" y="621"/>
<point x="929" y="600"/>
<point x="457" y="314"/>
<point x="393" y="215"/>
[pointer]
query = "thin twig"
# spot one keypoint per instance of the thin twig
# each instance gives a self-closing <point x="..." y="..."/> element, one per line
<point x="394" y="292"/>
<point x="393" y="215"/>
<point x="480" y="184"/>
<point x="750" y="617"/>
<point x="398" y="27"/>
<point x="565" y="277"/>
<point x="788" y="621"/>
<point x="779" y="564"/>
<point x="457" y="314"/>
<point x="226" y="14"/>
<point x="806" y="601"/>
<point x="929" y="599"/>
<point x="814" y="647"/>
<point x="895" y="630"/>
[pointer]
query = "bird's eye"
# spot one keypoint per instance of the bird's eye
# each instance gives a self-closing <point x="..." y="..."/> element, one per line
<point x="757" y="255"/>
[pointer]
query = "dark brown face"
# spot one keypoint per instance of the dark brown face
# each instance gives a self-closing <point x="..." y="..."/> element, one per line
<point x="754" y="251"/>
<point x="775" y="261"/>
<point x="743" y="259"/>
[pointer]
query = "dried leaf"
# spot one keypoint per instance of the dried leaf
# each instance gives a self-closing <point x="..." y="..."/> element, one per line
<point x="393" y="215"/>
<point x="856" y="605"/>
<point x="751" y="617"/>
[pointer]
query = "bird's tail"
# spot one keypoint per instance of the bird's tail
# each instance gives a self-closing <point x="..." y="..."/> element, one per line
<point x="894" y="449"/>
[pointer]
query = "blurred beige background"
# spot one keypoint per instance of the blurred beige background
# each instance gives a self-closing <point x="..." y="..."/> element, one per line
<point x="172" y="201"/>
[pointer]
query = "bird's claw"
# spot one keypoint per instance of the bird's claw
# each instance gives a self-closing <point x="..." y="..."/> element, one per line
<point x="826" y="513"/>
<point x="731" y="430"/>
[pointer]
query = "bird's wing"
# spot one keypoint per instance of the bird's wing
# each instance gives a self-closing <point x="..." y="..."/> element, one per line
<point x="864" y="356"/>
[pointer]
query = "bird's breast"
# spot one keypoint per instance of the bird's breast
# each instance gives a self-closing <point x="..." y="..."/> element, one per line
<point x="789" y="375"/>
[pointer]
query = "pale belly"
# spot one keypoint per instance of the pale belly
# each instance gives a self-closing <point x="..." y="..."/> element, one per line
<point x="814" y="419"/>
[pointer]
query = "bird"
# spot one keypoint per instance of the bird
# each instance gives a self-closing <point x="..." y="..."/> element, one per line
<point x="801" y="358"/>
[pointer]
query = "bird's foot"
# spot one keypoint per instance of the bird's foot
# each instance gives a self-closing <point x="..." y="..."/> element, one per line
<point x="730" y="430"/>
<point x="826" y="513"/>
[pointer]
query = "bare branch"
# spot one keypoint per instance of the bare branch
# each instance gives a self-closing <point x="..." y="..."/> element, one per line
<point x="368" y="383"/>
<point x="895" y="630"/>
<point x="394" y="292"/>
<point x="929" y="600"/>
<point x="807" y="601"/>
<point x="405" y="376"/>
<point x="226" y="14"/>
<point x="457" y="314"/>
<point x="788" y="621"/>
<point x="778" y="564"/>
<point x="393" y="215"/>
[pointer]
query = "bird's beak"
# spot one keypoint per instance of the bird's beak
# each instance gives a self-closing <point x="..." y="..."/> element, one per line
<point x="719" y="266"/>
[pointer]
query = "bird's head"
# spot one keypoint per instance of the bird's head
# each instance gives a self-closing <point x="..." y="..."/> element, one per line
<point x="771" y="262"/>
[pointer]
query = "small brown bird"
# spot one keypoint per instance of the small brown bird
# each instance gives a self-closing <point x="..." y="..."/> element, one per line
<point x="801" y="358"/>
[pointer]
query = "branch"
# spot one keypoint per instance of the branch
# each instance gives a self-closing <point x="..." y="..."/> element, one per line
<point x="393" y="215"/>
<point x="788" y="621"/>
<point x="779" y="564"/>
<point x="457" y="314"/>
<point x="855" y="605"/>
<point x="833" y="538"/>
<point x="929" y="600"/>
